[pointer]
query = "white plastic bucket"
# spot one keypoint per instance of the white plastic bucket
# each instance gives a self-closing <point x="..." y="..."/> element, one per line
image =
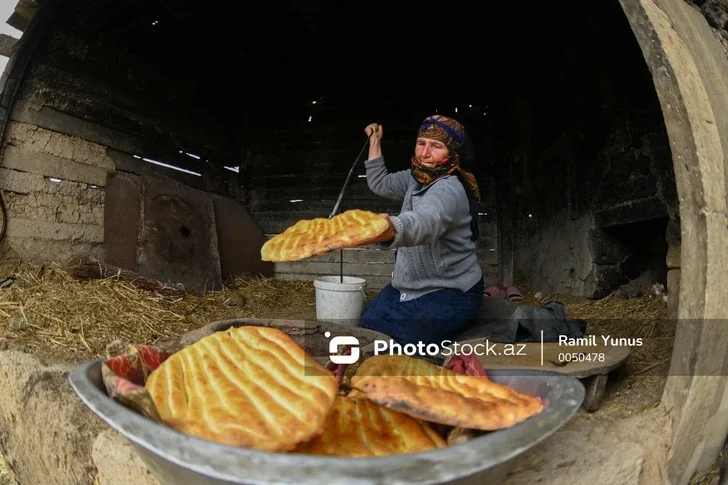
<point x="340" y="300"/>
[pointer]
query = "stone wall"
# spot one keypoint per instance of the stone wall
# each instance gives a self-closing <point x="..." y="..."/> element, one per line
<point x="591" y="171"/>
<point x="74" y="121"/>
<point x="53" y="188"/>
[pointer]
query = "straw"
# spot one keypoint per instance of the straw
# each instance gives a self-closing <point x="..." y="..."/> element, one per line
<point x="48" y="311"/>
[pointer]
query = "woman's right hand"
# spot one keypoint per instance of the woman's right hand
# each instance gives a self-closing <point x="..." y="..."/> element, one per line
<point x="374" y="131"/>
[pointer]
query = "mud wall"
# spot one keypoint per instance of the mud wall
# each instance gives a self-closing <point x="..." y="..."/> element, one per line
<point x="71" y="126"/>
<point x="590" y="170"/>
<point x="53" y="187"/>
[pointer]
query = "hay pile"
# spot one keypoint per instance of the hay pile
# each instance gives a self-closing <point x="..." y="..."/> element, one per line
<point x="644" y="317"/>
<point x="639" y="383"/>
<point x="47" y="311"/>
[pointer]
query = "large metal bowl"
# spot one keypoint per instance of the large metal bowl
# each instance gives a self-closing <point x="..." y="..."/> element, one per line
<point x="175" y="458"/>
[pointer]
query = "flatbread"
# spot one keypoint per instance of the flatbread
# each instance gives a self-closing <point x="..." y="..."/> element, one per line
<point x="360" y="427"/>
<point x="249" y="386"/>
<point x="439" y="395"/>
<point x="314" y="237"/>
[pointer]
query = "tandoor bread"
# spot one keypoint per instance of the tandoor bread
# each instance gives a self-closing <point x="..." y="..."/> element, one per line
<point x="314" y="237"/>
<point x="439" y="395"/>
<point x="360" y="428"/>
<point x="250" y="386"/>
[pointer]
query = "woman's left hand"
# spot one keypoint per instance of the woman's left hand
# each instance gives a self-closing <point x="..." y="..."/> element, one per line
<point x="388" y="235"/>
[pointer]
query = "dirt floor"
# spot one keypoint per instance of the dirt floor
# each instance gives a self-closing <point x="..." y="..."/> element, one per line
<point x="6" y="477"/>
<point x="44" y="310"/>
<point x="47" y="311"/>
<point x="639" y="383"/>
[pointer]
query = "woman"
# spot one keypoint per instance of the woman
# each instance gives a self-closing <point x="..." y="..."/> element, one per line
<point x="437" y="287"/>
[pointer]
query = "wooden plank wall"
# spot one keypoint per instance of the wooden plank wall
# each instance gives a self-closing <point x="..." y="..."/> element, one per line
<point x="288" y="184"/>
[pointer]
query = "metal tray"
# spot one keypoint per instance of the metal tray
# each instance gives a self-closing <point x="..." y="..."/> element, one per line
<point x="175" y="458"/>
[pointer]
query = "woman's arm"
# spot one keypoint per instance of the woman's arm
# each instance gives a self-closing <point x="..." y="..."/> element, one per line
<point x="380" y="181"/>
<point x="385" y="184"/>
<point x="432" y="218"/>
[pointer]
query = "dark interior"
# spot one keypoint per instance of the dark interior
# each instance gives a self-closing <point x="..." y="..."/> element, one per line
<point x="239" y="68"/>
<point x="567" y="130"/>
<point x="644" y="247"/>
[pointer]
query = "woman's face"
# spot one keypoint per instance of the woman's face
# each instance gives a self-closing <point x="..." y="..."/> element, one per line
<point x="430" y="152"/>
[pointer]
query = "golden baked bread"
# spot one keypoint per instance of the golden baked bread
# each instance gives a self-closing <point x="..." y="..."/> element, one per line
<point x="314" y="237"/>
<point x="249" y="386"/>
<point x="439" y="395"/>
<point x="360" y="427"/>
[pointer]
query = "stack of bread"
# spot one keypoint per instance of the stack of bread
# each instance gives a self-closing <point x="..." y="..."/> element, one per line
<point x="255" y="387"/>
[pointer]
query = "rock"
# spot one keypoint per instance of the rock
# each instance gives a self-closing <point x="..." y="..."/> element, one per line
<point x="643" y="285"/>
<point x="236" y="300"/>
<point x="606" y="278"/>
<point x="715" y="15"/>
<point x="579" y="457"/>
<point x="673" y="256"/>
<point x="673" y="292"/>
<point x="672" y="233"/>
<point x="17" y="323"/>
<point x="46" y="432"/>
<point x="7" y="477"/>
<point x="118" y="463"/>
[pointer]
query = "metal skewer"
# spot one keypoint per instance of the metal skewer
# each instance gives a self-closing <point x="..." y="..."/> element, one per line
<point x="338" y="202"/>
<point x="346" y="182"/>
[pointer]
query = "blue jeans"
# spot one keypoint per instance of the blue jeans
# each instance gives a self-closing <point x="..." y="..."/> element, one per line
<point x="431" y="318"/>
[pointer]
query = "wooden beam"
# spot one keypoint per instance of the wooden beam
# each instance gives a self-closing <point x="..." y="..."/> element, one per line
<point x="17" y="21"/>
<point x="54" y="120"/>
<point x="26" y="8"/>
<point x="24" y="12"/>
<point x="128" y="163"/>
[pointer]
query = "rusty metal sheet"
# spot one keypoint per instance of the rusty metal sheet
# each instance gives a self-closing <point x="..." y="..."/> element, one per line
<point x="122" y="218"/>
<point x="239" y="240"/>
<point x="166" y="230"/>
<point x="178" y="239"/>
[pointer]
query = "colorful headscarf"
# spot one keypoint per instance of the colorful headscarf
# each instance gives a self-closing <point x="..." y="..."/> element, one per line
<point x="443" y="129"/>
<point x="452" y="134"/>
